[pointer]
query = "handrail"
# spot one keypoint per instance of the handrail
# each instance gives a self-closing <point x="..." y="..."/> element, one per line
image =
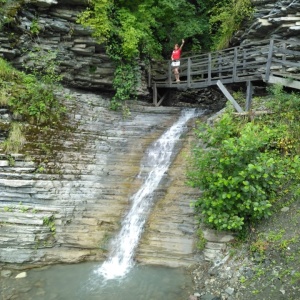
<point x="246" y="62"/>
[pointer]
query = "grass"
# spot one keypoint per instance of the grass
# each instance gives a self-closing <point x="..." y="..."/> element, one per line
<point x="15" y="140"/>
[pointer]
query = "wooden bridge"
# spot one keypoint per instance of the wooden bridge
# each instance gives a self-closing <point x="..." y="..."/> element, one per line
<point x="271" y="61"/>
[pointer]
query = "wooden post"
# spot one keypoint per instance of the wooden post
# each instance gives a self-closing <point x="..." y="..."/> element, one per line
<point x="161" y="98"/>
<point x="219" y="64"/>
<point x="189" y="63"/>
<point x="228" y="96"/>
<point x="249" y="95"/>
<point x="154" y="94"/>
<point x="269" y="61"/>
<point x="244" y="61"/>
<point x="234" y="64"/>
<point x="170" y="74"/>
<point x="209" y="69"/>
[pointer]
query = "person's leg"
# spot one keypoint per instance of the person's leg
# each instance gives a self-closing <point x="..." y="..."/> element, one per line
<point x="176" y="72"/>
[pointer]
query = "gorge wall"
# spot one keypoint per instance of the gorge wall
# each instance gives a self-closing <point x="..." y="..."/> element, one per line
<point x="50" y="26"/>
<point x="63" y="198"/>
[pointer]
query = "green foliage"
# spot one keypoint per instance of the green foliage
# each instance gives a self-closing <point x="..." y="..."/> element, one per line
<point x="34" y="27"/>
<point x="201" y="240"/>
<point x="242" y="169"/>
<point x="8" y="11"/>
<point x="146" y="29"/>
<point x="125" y="83"/>
<point x="15" y="141"/>
<point x="134" y="30"/>
<point x="141" y="28"/>
<point x="50" y="222"/>
<point x="226" y="18"/>
<point x="23" y="208"/>
<point x="32" y="96"/>
<point x="7" y="72"/>
<point x="8" y="208"/>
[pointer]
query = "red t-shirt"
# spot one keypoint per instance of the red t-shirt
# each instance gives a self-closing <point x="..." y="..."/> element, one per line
<point x="176" y="54"/>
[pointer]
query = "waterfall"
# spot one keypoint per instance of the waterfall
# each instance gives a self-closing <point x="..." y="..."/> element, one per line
<point x="156" y="162"/>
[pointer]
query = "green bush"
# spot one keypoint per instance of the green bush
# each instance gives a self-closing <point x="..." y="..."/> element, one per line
<point x="31" y="97"/>
<point x="226" y="18"/>
<point x="15" y="140"/>
<point x="239" y="167"/>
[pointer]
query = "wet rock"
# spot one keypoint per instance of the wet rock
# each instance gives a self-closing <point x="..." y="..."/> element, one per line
<point x="285" y="209"/>
<point x="229" y="290"/>
<point x="208" y="297"/>
<point x="6" y="273"/>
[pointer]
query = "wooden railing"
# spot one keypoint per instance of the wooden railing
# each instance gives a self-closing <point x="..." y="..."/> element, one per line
<point x="268" y="60"/>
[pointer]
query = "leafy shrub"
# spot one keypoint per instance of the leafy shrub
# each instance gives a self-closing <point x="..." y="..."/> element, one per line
<point x="31" y="97"/>
<point x="15" y="140"/>
<point x="125" y="83"/>
<point x="226" y="18"/>
<point x="240" y="171"/>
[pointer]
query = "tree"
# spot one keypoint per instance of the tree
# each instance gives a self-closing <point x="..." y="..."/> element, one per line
<point x="146" y="29"/>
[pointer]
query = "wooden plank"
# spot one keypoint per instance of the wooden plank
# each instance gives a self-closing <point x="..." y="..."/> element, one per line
<point x="228" y="96"/>
<point x="287" y="75"/>
<point x="285" y="82"/>
<point x="170" y="73"/>
<point x="162" y="98"/>
<point x="253" y="113"/>
<point x="189" y="73"/>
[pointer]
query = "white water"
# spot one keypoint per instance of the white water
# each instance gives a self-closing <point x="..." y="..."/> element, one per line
<point x="158" y="159"/>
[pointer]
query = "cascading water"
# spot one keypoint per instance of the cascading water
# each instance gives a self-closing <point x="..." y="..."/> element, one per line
<point x="158" y="159"/>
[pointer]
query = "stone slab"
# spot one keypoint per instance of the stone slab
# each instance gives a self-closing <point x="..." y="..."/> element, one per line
<point x="216" y="236"/>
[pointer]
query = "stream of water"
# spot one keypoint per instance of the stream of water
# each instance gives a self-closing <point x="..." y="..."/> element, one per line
<point x="156" y="161"/>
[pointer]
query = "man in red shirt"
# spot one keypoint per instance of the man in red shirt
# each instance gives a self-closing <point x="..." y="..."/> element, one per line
<point x="175" y="57"/>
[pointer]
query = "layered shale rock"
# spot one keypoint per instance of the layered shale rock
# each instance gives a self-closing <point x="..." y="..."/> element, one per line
<point x="47" y="27"/>
<point x="272" y="19"/>
<point x="65" y="196"/>
<point x="170" y="234"/>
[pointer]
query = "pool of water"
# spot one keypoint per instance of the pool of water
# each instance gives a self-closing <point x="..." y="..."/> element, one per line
<point x="82" y="281"/>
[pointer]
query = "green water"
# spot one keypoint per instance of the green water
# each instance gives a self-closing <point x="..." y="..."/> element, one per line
<point x="80" y="281"/>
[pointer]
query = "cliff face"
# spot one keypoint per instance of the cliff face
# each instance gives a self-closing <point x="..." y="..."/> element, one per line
<point x="271" y="19"/>
<point x="45" y="26"/>
<point x="64" y="197"/>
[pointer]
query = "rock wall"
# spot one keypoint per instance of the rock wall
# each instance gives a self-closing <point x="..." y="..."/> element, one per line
<point x="64" y="198"/>
<point x="279" y="19"/>
<point x="45" y="26"/>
